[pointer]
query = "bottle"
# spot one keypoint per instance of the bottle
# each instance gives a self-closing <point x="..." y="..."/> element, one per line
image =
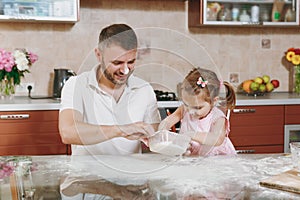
<point x="224" y="14"/>
<point x="276" y="10"/>
<point x="255" y="13"/>
<point x="244" y="17"/>
<point x="235" y="14"/>
<point x="290" y="16"/>
<point x="15" y="9"/>
<point x="265" y="16"/>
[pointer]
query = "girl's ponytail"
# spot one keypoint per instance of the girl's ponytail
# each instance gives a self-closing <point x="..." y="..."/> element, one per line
<point x="230" y="95"/>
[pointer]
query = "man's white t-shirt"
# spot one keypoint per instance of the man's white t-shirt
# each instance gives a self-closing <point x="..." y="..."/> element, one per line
<point x="137" y="103"/>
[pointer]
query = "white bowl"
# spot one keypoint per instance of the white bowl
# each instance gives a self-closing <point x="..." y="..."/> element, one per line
<point x="169" y="143"/>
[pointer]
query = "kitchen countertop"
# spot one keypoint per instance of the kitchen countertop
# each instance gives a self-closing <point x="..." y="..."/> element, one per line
<point x="20" y="103"/>
<point x="24" y="103"/>
<point x="154" y="176"/>
<point x="274" y="98"/>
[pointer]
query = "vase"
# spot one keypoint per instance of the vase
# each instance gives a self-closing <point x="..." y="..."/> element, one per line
<point x="296" y="87"/>
<point x="7" y="88"/>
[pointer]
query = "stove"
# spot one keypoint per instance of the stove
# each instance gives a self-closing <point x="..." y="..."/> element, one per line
<point x="165" y="96"/>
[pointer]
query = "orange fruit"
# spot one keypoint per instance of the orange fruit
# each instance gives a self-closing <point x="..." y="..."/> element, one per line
<point x="246" y="85"/>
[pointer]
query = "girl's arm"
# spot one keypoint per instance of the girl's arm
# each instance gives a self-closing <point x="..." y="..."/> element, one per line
<point x="216" y="135"/>
<point x="172" y="119"/>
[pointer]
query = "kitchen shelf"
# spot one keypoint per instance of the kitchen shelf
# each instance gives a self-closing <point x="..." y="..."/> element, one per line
<point x="200" y="13"/>
<point x="66" y="11"/>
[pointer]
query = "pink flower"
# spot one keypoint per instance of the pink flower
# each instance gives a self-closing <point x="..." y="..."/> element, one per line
<point x="13" y="65"/>
<point x="32" y="57"/>
<point x="5" y="170"/>
<point x="6" y="60"/>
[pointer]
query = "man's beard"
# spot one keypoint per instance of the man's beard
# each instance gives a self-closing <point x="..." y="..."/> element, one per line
<point x="110" y="77"/>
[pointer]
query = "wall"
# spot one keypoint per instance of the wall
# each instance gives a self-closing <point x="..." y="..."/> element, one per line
<point x="169" y="47"/>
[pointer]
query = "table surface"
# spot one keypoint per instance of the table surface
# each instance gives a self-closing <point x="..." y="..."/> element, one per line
<point x="20" y="103"/>
<point x="154" y="176"/>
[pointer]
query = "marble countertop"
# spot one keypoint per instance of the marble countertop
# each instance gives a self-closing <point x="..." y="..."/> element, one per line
<point x="274" y="98"/>
<point x="154" y="176"/>
<point x="25" y="103"/>
<point x="20" y="103"/>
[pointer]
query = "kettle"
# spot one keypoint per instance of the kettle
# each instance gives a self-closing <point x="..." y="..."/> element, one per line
<point x="60" y="77"/>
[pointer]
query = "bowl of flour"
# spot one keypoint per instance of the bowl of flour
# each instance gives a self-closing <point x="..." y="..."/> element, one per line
<point x="169" y="143"/>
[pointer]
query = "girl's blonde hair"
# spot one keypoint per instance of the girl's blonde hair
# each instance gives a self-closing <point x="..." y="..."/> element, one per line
<point x="210" y="90"/>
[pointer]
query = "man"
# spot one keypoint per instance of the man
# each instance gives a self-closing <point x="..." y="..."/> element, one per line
<point x="108" y="110"/>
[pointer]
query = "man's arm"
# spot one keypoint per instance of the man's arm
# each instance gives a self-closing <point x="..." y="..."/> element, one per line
<point x="74" y="131"/>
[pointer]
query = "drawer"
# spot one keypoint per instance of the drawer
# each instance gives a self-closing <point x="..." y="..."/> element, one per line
<point x="27" y="127"/>
<point x="257" y="115"/>
<point x="292" y="113"/>
<point x="31" y="133"/>
<point x="30" y="139"/>
<point x="257" y="126"/>
<point x="28" y="116"/>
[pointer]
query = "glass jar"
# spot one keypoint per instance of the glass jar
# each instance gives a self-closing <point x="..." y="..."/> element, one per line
<point x="296" y="82"/>
<point x="7" y="88"/>
<point x="255" y="13"/>
<point x="244" y="17"/>
<point x="235" y="14"/>
<point x="224" y="14"/>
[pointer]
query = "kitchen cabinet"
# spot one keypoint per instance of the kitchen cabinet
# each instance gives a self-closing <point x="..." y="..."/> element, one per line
<point x="291" y="114"/>
<point x="258" y="129"/>
<point x="292" y="126"/>
<point x="39" y="10"/>
<point x="30" y="133"/>
<point x="243" y="13"/>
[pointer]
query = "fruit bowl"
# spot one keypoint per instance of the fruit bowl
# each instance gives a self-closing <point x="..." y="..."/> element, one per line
<point x="255" y="94"/>
<point x="259" y="86"/>
<point x="169" y="143"/>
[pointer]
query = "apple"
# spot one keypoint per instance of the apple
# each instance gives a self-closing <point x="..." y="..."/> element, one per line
<point x="275" y="83"/>
<point x="262" y="88"/>
<point x="254" y="86"/>
<point x="258" y="80"/>
<point x="266" y="79"/>
<point x="269" y="87"/>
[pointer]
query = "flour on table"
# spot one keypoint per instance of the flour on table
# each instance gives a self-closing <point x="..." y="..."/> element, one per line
<point x="167" y="148"/>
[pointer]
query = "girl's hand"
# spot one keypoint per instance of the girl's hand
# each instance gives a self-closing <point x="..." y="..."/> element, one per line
<point x="194" y="148"/>
<point x="163" y="125"/>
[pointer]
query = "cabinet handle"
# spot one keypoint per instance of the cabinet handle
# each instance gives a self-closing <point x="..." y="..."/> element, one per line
<point x="249" y="110"/>
<point x="16" y="116"/>
<point x="245" y="151"/>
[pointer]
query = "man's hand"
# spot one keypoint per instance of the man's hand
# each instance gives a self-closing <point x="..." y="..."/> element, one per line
<point x="137" y="130"/>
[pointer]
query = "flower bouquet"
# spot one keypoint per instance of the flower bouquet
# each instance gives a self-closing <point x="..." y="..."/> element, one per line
<point x="293" y="56"/>
<point x="13" y="66"/>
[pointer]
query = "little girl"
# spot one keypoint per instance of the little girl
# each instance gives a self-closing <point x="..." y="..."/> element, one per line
<point x="200" y="116"/>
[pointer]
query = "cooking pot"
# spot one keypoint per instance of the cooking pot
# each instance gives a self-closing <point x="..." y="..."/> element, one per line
<point x="60" y="77"/>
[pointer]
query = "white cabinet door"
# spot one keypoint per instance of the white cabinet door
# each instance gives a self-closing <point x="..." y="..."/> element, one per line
<point x="251" y="12"/>
<point x="39" y="10"/>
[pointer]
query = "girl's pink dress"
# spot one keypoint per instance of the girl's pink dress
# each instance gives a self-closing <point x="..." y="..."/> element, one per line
<point x="188" y="124"/>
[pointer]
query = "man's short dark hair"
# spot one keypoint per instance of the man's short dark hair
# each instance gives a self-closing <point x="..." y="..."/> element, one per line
<point x="118" y="34"/>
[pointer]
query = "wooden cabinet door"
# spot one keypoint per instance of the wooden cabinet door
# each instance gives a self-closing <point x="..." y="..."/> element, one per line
<point x="258" y="129"/>
<point x="30" y="133"/>
<point x="292" y="114"/>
